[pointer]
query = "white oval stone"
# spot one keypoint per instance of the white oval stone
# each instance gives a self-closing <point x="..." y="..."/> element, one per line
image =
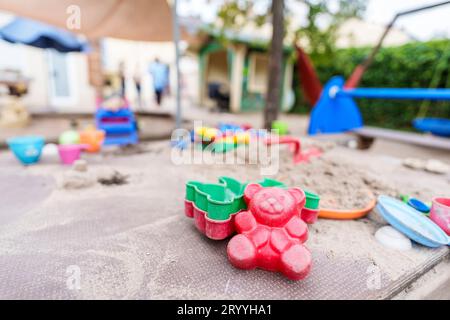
<point x="393" y="239"/>
<point x="414" y="163"/>
<point x="436" y="166"/>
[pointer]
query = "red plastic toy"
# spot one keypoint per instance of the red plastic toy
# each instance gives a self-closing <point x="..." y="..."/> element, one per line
<point x="298" y="155"/>
<point x="271" y="232"/>
<point x="310" y="215"/>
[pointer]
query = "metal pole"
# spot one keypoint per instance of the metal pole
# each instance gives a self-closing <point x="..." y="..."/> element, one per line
<point x="423" y="8"/>
<point x="176" y="40"/>
<point x="397" y="93"/>
<point x="356" y="76"/>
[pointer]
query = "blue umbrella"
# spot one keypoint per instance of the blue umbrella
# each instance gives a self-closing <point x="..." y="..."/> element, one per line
<point x="41" y="35"/>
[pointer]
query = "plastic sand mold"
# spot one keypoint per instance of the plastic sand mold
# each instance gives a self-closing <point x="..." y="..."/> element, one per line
<point x="393" y="239"/>
<point x="214" y="205"/>
<point x="310" y="212"/>
<point x="411" y="222"/>
<point x="92" y="138"/>
<point x="295" y="144"/>
<point x="281" y="126"/>
<point x="271" y="234"/>
<point x="224" y="144"/>
<point x="27" y="149"/>
<point x="207" y="134"/>
<point x="69" y="137"/>
<point x="423" y="207"/>
<point x="340" y="214"/>
<point x="440" y="213"/>
<point x="69" y="153"/>
<point x="418" y="205"/>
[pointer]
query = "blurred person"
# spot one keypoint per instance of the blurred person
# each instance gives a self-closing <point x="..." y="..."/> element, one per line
<point x="137" y="82"/>
<point x="158" y="71"/>
<point x="167" y="88"/>
<point x="122" y="78"/>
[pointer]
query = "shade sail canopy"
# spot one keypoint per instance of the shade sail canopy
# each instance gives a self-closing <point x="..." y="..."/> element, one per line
<point x="140" y="20"/>
<point x="41" y="35"/>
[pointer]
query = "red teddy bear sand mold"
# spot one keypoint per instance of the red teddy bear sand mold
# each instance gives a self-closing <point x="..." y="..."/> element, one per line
<point x="271" y="232"/>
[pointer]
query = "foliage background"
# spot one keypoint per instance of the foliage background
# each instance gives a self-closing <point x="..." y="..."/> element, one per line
<point x="414" y="65"/>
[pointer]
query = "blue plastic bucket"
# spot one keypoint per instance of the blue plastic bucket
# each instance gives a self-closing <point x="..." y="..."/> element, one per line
<point x="27" y="149"/>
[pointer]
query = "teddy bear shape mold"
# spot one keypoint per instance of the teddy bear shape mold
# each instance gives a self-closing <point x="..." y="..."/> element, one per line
<point x="271" y="232"/>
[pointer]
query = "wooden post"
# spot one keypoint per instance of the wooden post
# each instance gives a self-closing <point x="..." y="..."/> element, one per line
<point x="176" y="41"/>
<point x="275" y="65"/>
<point x="95" y="67"/>
<point x="236" y="77"/>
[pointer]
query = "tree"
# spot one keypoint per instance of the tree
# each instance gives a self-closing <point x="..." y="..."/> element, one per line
<point x="319" y="39"/>
<point x="275" y="64"/>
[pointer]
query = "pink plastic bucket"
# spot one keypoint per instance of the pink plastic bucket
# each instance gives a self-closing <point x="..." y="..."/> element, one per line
<point x="69" y="153"/>
<point x="440" y="213"/>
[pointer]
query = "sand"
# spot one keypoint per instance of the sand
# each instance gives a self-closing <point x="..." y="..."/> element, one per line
<point x="340" y="184"/>
<point x="344" y="182"/>
<point x="132" y="240"/>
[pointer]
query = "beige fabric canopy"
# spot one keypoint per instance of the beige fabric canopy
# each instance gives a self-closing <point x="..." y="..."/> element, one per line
<point x="140" y="20"/>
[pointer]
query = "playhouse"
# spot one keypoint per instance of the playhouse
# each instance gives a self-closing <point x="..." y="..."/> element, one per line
<point x="234" y="71"/>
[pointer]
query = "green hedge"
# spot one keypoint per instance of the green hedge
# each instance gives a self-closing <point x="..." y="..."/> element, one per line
<point x="414" y="65"/>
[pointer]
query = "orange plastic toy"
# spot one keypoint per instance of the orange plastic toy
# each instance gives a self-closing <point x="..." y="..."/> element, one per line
<point x="92" y="138"/>
<point x="348" y="214"/>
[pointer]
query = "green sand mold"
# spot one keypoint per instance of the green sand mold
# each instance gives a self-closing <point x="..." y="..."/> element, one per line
<point x="312" y="200"/>
<point x="223" y="199"/>
<point x="281" y="126"/>
<point x="224" y="147"/>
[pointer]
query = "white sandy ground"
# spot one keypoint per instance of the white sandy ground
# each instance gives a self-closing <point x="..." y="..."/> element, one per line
<point x="127" y="255"/>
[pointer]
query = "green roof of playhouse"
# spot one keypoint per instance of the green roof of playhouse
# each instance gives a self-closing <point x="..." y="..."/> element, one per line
<point x="252" y="37"/>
